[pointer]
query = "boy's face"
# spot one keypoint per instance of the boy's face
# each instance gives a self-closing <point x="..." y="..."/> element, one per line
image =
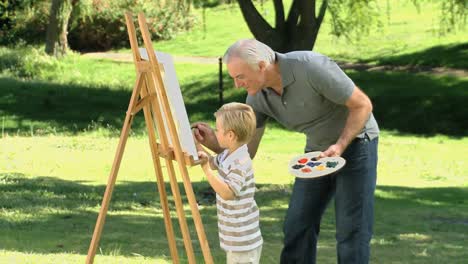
<point x="225" y="138"/>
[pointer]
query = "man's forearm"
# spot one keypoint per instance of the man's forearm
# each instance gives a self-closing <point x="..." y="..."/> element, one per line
<point x="215" y="148"/>
<point x="360" y="108"/>
<point x="356" y="120"/>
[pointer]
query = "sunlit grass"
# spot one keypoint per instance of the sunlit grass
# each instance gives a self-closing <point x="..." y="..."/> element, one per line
<point x="51" y="186"/>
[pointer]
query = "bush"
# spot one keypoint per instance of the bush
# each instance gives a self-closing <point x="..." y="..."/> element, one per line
<point x="105" y="28"/>
<point x="94" y="24"/>
<point x="23" y="21"/>
<point x="26" y="62"/>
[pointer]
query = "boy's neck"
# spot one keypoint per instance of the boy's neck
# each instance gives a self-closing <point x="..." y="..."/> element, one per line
<point x="233" y="147"/>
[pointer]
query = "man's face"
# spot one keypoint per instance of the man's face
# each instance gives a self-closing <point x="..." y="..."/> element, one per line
<point x="244" y="76"/>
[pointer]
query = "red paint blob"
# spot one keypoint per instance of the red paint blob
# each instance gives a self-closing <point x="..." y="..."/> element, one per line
<point x="302" y="161"/>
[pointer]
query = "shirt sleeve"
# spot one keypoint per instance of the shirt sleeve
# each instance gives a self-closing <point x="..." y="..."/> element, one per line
<point x="328" y="78"/>
<point x="216" y="160"/>
<point x="235" y="180"/>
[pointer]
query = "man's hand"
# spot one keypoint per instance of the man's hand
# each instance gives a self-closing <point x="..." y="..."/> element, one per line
<point x="205" y="135"/>
<point x="333" y="151"/>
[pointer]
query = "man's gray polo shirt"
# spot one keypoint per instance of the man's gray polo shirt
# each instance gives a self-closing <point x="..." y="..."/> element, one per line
<point x="315" y="90"/>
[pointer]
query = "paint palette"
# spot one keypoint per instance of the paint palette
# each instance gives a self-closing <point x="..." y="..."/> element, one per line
<point x="307" y="165"/>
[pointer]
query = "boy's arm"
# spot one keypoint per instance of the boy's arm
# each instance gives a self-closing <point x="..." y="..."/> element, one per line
<point x="203" y="154"/>
<point x="219" y="186"/>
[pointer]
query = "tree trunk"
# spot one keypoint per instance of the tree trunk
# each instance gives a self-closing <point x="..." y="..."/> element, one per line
<point x="298" y="32"/>
<point x="57" y="30"/>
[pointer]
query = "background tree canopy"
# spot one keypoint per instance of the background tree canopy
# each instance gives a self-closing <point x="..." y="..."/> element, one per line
<point x="350" y="18"/>
<point x="93" y="25"/>
<point x="98" y="25"/>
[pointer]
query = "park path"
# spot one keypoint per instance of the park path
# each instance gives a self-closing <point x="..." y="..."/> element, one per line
<point x="344" y="65"/>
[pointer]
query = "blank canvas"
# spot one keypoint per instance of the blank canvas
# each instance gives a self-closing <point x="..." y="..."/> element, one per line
<point x="172" y="87"/>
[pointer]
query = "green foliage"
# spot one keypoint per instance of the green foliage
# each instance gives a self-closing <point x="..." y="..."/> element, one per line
<point x="26" y="62"/>
<point x="103" y="27"/>
<point x="354" y="18"/>
<point x="94" y="25"/>
<point x="454" y="14"/>
<point x="24" y="21"/>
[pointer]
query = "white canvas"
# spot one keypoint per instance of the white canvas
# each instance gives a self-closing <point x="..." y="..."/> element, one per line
<point x="176" y="101"/>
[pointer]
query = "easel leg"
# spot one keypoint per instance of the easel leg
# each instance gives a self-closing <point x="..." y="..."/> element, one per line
<point x="172" y="177"/>
<point x="196" y="215"/>
<point x="160" y="180"/>
<point x="113" y="175"/>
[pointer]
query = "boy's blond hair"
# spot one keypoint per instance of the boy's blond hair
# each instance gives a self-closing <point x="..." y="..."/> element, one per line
<point x="239" y="118"/>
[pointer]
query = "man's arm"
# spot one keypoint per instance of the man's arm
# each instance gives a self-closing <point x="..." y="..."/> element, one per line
<point x="205" y="135"/>
<point x="360" y="108"/>
<point x="255" y="141"/>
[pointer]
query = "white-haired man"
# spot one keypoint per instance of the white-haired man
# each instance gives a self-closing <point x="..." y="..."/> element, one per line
<point x="307" y="92"/>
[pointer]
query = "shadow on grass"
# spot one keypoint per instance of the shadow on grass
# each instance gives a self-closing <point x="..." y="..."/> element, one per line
<point x="416" y="103"/>
<point x="50" y="215"/>
<point x="67" y="108"/>
<point x="450" y="56"/>
<point x="407" y="103"/>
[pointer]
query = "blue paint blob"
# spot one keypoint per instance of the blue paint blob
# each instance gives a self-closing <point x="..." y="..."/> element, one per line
<point x="313" y="164"/>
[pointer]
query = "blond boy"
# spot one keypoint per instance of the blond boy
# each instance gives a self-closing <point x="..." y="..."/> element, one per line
<point x="238" y="214"/>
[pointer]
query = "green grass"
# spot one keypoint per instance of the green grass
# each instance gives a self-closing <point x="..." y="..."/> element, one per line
<point x="51" y="189"/>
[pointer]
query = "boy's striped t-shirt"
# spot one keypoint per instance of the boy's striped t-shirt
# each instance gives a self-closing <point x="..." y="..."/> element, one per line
<point x="238" y="219"/>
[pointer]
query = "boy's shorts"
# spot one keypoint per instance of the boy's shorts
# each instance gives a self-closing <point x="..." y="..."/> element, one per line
<point x="244" y="257"/>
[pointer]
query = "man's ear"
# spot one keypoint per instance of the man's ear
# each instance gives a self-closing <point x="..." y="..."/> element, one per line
<point x="262" y="65"/>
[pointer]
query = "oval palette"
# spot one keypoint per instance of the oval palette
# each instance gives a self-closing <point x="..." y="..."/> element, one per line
<point x="308" y="166"/>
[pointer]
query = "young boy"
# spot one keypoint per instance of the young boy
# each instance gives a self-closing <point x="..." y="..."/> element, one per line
<point x="238" y="214"/>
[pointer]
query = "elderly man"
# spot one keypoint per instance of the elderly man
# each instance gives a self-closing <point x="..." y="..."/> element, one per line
<point x="307" y="92"/>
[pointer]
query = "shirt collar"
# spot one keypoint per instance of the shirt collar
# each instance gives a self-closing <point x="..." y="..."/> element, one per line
<point x="287" y="76"/>
<point x="238" y="154"/>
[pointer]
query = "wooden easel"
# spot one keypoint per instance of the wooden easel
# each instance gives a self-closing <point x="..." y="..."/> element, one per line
<point x="150" y="95"/>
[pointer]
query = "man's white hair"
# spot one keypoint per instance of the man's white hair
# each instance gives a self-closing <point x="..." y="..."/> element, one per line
<point x="251" y="51"/>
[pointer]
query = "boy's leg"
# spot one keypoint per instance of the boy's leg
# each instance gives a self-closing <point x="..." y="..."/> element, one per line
<point x="247" y="257"/>
<point x="302" y="223"/>
<point x="354" y="201"/>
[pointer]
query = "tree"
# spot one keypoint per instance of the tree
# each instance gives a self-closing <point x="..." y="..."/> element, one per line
<point x="57" y="30"/>
<point x="299" y="30"/>
<point x="288" y="34"/>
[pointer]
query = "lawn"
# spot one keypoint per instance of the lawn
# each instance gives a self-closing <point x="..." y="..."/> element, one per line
<point x="51" y="188"/>
<point x="60" y="122"/>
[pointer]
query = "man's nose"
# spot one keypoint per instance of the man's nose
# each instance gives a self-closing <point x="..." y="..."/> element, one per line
<point x="237" y="83"/>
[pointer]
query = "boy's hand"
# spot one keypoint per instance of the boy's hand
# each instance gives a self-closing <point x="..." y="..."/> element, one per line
<point x="203" y="155"/>
<point x="204" y="158"/>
